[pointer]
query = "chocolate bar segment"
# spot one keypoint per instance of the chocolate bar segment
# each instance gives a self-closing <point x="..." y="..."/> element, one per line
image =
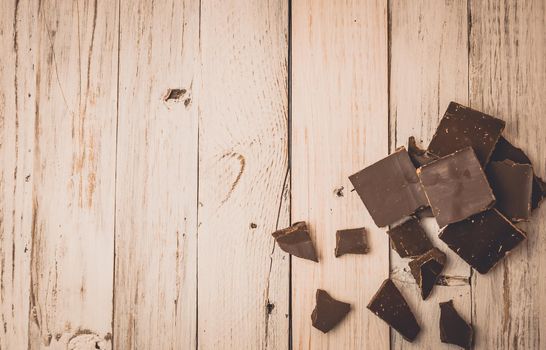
<point x="512" y="185"/>
<point x="389" y="304"/>
<point x="295" y="240"/>
<point x="505" y="150"/>
<point x="453" y="328"/>
<point x="456" y="187"/>
<point x="463" y="127"/>
<point x="426" y="269"/>
<point x="351" y="241"/>
<point x="419" y="156"/>
<point x="328" y="311"/>
<point x="483" y="239"/>
<point x="409" y="239"/>
<point x="390" y="188"/>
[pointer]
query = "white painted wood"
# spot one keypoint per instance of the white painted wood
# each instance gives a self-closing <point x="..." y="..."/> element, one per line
<point x="243" y="165"/>
<point x="429" y="68"/>
<point x="156" y="207"/>
<point x="339" y="126"/>
<point x="73" y="175"/>
<point x="17" y="93"/>
<point x="507" y="79"/>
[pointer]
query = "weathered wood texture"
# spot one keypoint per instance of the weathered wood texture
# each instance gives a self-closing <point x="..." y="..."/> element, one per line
<point x="243" y="173"/>
<point x="428" y="69"/>
<point x="339" y="125"/>
<point x="17" y="91"/>
<point x="73" y="176"/>
<point x="507" y="79"/>
<point x="156" y="207"/>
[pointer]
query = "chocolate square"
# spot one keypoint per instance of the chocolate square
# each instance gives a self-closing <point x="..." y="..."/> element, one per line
<point x="295" y="240"/>
<point x="483" y="239"/>
<point x="512" y="185"/>
<point x="426" y="269"/>
<point x="409" y="239"/>
<point x="390" y="188"/>
<point x="453" y="328"/>
<point x="351" y="241"/>
<point x="463" y="127"/>
<point x="389" y="305"/>
<point x="456" y="187"/>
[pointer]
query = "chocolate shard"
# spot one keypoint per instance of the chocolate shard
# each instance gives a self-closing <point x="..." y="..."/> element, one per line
<point x="390" y="188"/>
<point x="295" y="240"/>
<point x="389" y="305"/>
<point x="351" y="241"/>
<point x="409" y="239"/>
<point x="424" y="213"/>
<point x="512" y="185"/>
<point x="463" y="127"/>
<point x="426" y="269"/>
<point x="328" y="311"/>
<point x="456" y="187"/>
<point x="453" y="328"/>
<point x="483" y="239"/>
<point x="505" y="150"/>
<point x="419" y="156"/>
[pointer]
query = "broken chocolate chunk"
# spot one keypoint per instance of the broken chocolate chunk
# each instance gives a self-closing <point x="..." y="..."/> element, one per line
<point x="453" y="328"/>
<point x="389" y="304"/>
<point x="512" y="186"/>
<point x="328" y="311"/>
<point x="295" y="240"/>
<point x="483" y="239"/>
<point x="426" y="269"/>
<point x="505" y="150"/>
<point x="463" y="127"/>
<point x="351" y="241"/>
<point x="390" y="188"/>
<point x="418" y="155"/>
<point x="409" y="239"/>
<point x="456" y="187"/>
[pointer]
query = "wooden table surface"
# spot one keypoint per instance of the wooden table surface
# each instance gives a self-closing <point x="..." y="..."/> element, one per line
<point x="149" y="149"/>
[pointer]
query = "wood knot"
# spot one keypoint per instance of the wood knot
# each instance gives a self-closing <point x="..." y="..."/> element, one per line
<point x="174" y="95"/>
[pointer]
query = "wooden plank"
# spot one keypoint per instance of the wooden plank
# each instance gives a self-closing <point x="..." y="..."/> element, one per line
<point x="73" y="175"/>
<point x="243" y="167"/>
<point x="428" y="69"/>
<point x="339" y="125"/>
<point x="17" y="92"/>
<point x="156" y="216"/>
<point x="507" y="79"/>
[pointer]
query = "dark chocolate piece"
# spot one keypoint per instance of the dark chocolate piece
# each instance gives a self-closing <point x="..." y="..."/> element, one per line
<point x="390" y="188"/>
<point x="512" y="185"/>
<point x="505" y="150"/>
<point x="295" y="240"/>
<point x="409" y="239"/>
<point x="426" y="269"/>
<point x="453" y="328"/>
<point x="351" y="241"/>
<point x="456" y="187"/>
<point x="418" y="155"/>
<point x="389" y="304"/>
<point x="463" y="127"/>
<point x="483" y="239"/>
<point x="328" y="311"/>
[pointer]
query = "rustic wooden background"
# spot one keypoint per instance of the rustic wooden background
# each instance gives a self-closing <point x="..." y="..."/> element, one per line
<point x="129" y="220"/>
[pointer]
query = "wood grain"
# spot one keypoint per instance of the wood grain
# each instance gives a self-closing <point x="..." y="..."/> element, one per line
<point x="507" y="79"/>
<point x="243" y="175"/>
<point x="156" y="216"/>
<point x="428" y="69"/>
<point x="17" y="93"/>
<point x="339" y="125"/>
<point x="73" y="175"/>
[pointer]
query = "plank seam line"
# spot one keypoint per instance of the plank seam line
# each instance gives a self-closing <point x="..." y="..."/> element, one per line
<point x="289" y="166"/>
<point x="197" y="224"/>
<point x="389" y="133"/>
<point x="116" y="179"/>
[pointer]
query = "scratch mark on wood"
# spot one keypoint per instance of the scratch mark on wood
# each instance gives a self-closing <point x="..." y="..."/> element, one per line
<point x="242" y="162"/>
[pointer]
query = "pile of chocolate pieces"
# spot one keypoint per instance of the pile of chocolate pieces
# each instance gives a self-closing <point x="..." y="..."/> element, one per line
<point x="473" y="181"/>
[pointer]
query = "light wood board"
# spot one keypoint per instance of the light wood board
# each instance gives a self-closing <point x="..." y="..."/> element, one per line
<point x="339" y="126"/>
<point x="243" y="175"/>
